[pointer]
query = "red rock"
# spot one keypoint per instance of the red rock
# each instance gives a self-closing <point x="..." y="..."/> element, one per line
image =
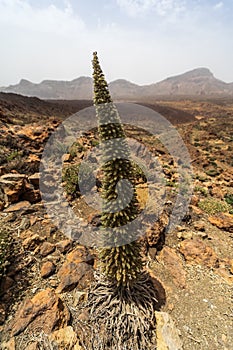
<point x="194" y="200"/>
<point x="18" y="206"/>
<point x="223" y="221"/>
<point x="196" y="210"/>
<point x="12" y="186"/>
<point x="45" y="312"/>
<point x="80" y="254"/>
<point x="32" y="242"/>
<point x="47" y="248"/>
<point x="200" y="226"/>
<point x="73" y="274"/>
<point x="217" y="192"/>
<point x="174" y="264"/>
<point x="31" y="195"/>
<point x="64" y="246"/>
<point x="35" y="180"/>
<point x="47" y="269"/>
<point x="196" y="251"/>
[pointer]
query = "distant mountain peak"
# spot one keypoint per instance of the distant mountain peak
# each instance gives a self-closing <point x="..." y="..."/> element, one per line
<point x="82" y="78"/>
<point x="196" y="82"/>
<point x="25" y="82"/>
<point x="201" y="72"/>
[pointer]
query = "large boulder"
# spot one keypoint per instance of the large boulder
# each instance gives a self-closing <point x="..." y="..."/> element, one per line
<point x="45" y="311"/>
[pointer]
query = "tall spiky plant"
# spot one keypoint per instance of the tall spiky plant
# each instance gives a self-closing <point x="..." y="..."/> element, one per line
<point x="121" y="303"/>
<point x="121" y="263"/>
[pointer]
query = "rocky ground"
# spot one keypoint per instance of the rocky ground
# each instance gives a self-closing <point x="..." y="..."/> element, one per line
<point x="45" y="276"/>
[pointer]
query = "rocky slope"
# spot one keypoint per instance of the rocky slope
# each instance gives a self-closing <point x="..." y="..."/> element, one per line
<point x="46" y="275"/>
<point x="198" y="82"/>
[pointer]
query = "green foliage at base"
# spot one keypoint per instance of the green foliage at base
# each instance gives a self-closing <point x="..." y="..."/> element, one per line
<point x="73" y="175"/>
<point x="229" y="198"/>
<point x="213" y="206"/>
<point x="70" y="178"/>
<point x="75" y="149"/>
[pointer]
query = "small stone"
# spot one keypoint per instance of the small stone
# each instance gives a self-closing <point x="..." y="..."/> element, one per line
<point x="168" y="337"/>
<point x="32" y="242"/>
<point x="20" y="206"/>
<point x="72" y="274"/>
<point x="78" y="347"/>
<point x="66" y="157"/>
<point x="35" y="179"/>
<point x="217" y="192"/>
<point x="199" y="226"/>
<point x="47" y="248"/>
<point x="33" y="220"/>
<point x="53" y="282"/>
<point x="84" y="316"/>
<point x="196" y="210"/>
<point x="64" y="338"/>
<point x="196" y="251"/>
<point x="223" y="221"/>
<point x="80" y="254"/>
<point x="174" y="264"/>
<point x="180" y="228"/>
<point x="47" y="269"/>
<point x="194" y="200"/>
<point x="64" y="246"/>
<point x="185" y="235"/>
<point x="31" y="195"/>
<point x="10" y="345"/>
<point x="12" y="186"/>
<point x="202" y="235"/>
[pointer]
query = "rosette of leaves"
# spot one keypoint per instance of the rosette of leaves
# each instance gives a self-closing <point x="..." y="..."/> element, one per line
<point x="121" y="263"/>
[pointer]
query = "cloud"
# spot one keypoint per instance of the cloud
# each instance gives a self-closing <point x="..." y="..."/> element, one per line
<point x="136" y="8"/>
<point x="219" y="5"/>
<point x="48" y="19"/>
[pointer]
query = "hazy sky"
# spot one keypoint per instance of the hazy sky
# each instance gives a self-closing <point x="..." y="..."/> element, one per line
<point x="143" y="41"/>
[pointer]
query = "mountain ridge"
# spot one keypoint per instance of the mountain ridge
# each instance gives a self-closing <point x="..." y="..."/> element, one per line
<point x="196" y="82"/>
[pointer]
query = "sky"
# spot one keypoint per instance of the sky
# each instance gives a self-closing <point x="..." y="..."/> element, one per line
<point x="143" y="41"/>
